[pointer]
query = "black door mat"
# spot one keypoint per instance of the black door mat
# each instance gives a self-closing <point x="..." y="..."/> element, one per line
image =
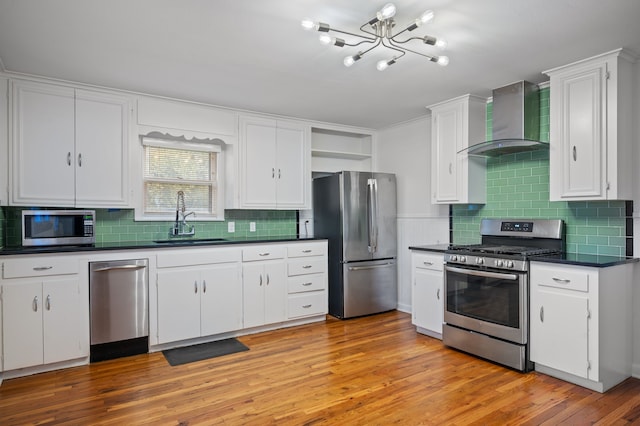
<point x="179" y="356"/>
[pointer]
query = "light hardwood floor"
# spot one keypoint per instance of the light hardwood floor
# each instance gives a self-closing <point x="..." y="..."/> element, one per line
<point x="368" y="371"/>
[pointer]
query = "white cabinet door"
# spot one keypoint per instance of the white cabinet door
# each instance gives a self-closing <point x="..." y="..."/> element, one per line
<point x="62" y="323"/>
<point x="43" y="150"/>
<point x="447" y="137"/>
<point x="559" y="331"/>
<point x="259" y="164"/>
<point x="577" y="124"/>
<point x="265" y="293"/>
<point x="22" y="324"/>
<point x="291" y="182"/>
<point x="253" y="283"/>
<point x="102" y="123"/>
<point x="221" y="299"/>
<point x="428" y="300"/>
<point x="4" y="142"/>
<point x="178" y="305"/>
<point x="457" y="178"/>
<point x="275" y="292"/>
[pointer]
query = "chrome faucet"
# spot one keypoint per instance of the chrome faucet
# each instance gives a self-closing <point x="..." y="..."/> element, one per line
<point x="181" y="228"/>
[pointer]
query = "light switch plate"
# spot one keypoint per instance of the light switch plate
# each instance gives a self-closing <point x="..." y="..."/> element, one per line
<point x="252" y="227"/>
<point x="231" y="226"/>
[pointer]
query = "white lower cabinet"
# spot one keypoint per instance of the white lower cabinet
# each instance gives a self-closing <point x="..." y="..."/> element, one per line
<point x="427" y="278"/>
<point x="196" y="296"/>
<point x="307" y="280"/>
<point x="44" y="317"/>
<point x="581" y="323"/>
<point x="264" y="285"/>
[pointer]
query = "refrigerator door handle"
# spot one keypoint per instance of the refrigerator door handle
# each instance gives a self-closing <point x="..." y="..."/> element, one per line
<point x="362" y="268"/>
<point x="372" y="214"/>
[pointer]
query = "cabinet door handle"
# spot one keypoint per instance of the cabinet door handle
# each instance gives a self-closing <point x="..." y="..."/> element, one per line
<point x="264" y="254"/>
<point x="195" y="286"/>
<point x="541" y="313"/>
<point x="260" y="280"/>
<point x="279" y="174"/>
<point x="42" y="268"/>
<point x="561" y="280"/>
<point x="306" y="251"/>
<point x="438" y="294"/>
<point x="307" y="266"/>
<point x="306" y="306"/>
<point x="306" y="284"/>
<point x="48" y="302"/>
<point x="34" y="305"/>
<point x="450" y="168"/>
<point x="204" y="286"/>
<point x="80" y="160"/>
<point x="68" y="158"/>
<point x="575" y="153"/>
<point x="428" y="263"/>
<point x="273" y="173"/>
<point x="267" y="279"/>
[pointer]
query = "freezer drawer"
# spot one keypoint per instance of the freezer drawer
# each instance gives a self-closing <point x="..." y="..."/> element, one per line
<point x="369" y="287"/>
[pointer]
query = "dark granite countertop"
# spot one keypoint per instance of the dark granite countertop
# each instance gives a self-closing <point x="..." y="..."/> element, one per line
<point x="593" y="260"/>
<point x="438" y="248"/>
<point x="580" y="259"/>
<point x="144" y="245"/>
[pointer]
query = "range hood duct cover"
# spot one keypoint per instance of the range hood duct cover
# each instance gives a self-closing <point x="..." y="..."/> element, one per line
<point x="516" y="122"/>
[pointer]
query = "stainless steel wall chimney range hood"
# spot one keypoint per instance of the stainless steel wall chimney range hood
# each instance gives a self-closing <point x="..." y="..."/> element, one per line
<point x="516" y="122"/>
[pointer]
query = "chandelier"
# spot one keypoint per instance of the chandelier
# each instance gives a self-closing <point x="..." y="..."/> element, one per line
<point x="379" y="32"/>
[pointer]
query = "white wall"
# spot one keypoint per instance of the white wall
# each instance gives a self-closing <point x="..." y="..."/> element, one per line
<point x="405" y="150"/>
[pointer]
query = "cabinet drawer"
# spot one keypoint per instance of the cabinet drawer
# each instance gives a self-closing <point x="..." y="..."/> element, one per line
<point x="39" y="266"/>
<point x="304" y="283"/>
<point x="191" y="257"/>
<point x="434" y="262"/>
<point x="564" y="277"/>
<point x="301" y="250"/>
<point x="262" y="253"/>
<point x="306" y="304"/>
<point x="307" y="266"/>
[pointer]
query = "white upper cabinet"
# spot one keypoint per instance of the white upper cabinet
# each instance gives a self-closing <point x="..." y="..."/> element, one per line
<point x="457" y="178"/>
<point x="591" y="118"/>
<point x="4" y="141"/>
<point x="275" y="161"/>
<point x="69" y="147"/>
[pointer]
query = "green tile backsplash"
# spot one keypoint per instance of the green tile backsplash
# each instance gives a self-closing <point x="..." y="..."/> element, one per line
<point x="518" y="187"/>
<point x="118" y="225"/>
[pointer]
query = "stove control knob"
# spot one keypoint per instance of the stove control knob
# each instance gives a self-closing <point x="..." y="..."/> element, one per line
<point x="479" y="260"/>
<point x="463" y="259"/>
<point x="499" y="263"/>
<point x="509" y="264"/>
<point x="454" y="258"/>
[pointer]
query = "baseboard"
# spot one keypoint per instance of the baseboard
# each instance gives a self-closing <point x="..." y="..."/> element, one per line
<point x="403" y="307"/>
<point x="635" y="371"/>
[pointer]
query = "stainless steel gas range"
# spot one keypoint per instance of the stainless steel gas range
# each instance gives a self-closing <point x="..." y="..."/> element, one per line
<point x="487" y="288"/>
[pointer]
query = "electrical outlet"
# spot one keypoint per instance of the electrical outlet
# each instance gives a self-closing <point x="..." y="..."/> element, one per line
<point x="231" y="226"/>
<point x="252" y="227"/>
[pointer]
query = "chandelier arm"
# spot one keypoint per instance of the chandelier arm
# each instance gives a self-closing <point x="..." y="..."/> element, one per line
<point x="431" y="58"/>
<point x="391" y="46"/>
<point x="364" y="30"/>
<point x="393" y="39"/>
<point x="370" y="39"/>
<point x="372" y="47"/>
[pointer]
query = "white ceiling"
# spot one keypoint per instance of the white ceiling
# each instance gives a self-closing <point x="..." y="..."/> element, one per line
<point x="254" y="55"/>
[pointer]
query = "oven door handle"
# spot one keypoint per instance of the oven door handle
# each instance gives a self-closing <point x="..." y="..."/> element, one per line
<point x="484" y="274"/>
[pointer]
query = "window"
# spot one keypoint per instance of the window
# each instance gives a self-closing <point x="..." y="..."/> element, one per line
<point x="171" y="166"/>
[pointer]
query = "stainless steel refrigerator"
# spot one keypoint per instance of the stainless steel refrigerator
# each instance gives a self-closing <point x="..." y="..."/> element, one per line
<point x="356" y="212"/>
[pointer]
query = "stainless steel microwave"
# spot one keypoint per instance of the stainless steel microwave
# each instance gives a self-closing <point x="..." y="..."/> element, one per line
<point x="58" y="227"/>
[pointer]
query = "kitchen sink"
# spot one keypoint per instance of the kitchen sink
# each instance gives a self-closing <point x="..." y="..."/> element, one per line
<point x="191" y="241"/>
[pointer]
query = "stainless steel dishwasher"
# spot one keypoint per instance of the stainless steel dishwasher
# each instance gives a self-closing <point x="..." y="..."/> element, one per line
<point x="119" y="308"/>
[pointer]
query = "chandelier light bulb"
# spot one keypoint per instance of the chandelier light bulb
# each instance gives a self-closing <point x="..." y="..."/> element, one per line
<point x="441" y="44"/>
<point x="443" y="61"/>
<point x="326" y="39"/>
<point x="425" y="17"/>
<point x="382" y="65"/>
<point x="308" y="24"/>
<point x="388" y="11"/>
<point x="348" y="61"/>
